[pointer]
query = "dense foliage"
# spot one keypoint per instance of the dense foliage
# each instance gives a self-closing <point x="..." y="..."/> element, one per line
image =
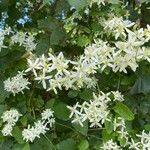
<point x="74" y="74"/>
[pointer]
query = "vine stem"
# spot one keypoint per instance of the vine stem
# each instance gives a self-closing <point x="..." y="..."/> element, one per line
<point x="50" y="142"/>
<point x="119" y="80"/>
<point x="98" y="88"/>
<point x="31" y="109"/>
<point x="65" y="126"/>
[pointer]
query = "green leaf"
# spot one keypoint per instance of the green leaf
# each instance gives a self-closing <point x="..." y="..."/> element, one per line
<point x="68" y="144"/>
<point x="17" y="134"/>
<point x="43" y="44"/>
<point x="2" y="109"/>
<point x="106" y="136"/>
<point x="41" y="143"/>
<point x="147" y="127"/>
<point x="61" y="111"/>
<point x="26" y="147"/>
<point x="122" y="141"/>
<point x="142" y="85"/>
<point x="78" y="4"/>
<point x="73" y="93"/>
<point x="109" y="126"/>
<point x="83" y="130"/>
<point x="38" y="102"/>
<point x="84" y="145"/>
<point x="87" y="94"/>
<point x="45" y="2"/>
<point x="7" y="145"/>
<point x="50" y="103"/>
<point x="24" y="120"/>
<point x="48" y="24"/>
<point x="123" y="111"/>
<point x="114" y="1"/>
<point x="83" y="41"/>
<point x="17" y="147"/>
<point x="3" y="93"/>
<point x="57" y="36"/>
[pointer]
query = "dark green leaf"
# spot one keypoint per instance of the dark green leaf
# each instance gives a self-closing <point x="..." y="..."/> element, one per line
<point x="83" y="130"/>
<point x="87" y="94"/>
<point x="73" y="93"/>
<point x="61" y="111"/>
<point x="68" y="144"/>
<point x="17" y="134"/>
<point x="142" y="85"/>
<point x="3" y="93"/>
<point x="78" y="4"/>
<point x="50" y="103"/>
<point x="41" y="143"/>
<point x="147" y="127"/>
<point x="57" y="36"/>
<point x="2" y="109"/>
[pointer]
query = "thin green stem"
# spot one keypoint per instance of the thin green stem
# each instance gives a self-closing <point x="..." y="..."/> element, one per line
<point x="91" y="135"/>
<point x="65" y="126"/>
<point x="119" y="80"/>
<point x="98" y="88"/>
<point x="50" y="142"/>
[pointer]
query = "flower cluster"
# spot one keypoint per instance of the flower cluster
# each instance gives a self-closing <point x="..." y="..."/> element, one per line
<point x="138" y="144"/>
<point x="10" y="117"/>
<point x="99" y="2"/>
<point x="120" y="127"/>
<point x="24" y="39"/>
<point x="124" y="53"/>
<point x="110" y="145"/>
<point x="16" y="84"/>
<point x="117" y="26"/>
<point x="3" y="33"/>
<point x="54" y="72"/>
<point x="144" y="140"/>
<point x="40" y="127"/>
<point x="96" y="111"/>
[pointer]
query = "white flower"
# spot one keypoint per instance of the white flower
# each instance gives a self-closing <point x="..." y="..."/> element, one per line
<point x="29" y="134"/>
<point x="16" y="84"/>
<point x="59" y="63"/>
<point x="47" y="114"/>
<point x="4" y="32"/>
<point x="11" y="116"/>
<point x="99" y="2"/>
<point x="42" y="78"/>
<point x="40" y="127"/>
<point x="110" y="145"/>
<point x="74" y="110"/>
<point x="24" y="39"/>
<point x="96" y="111"/>
<point x="19" y="37"/>
<point x="51" y="122"/>
<point x="33" y="65"/>
<point x="117" y="96"/>
<point x="7" y="129"/>
<point x="144" y="140"/>
<point x="119" y="122"/>
<point x="29" y="44"/>
<point x="134" y="145"/>
<point x="122" y="62"/>
<point x="117" y="26"/>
